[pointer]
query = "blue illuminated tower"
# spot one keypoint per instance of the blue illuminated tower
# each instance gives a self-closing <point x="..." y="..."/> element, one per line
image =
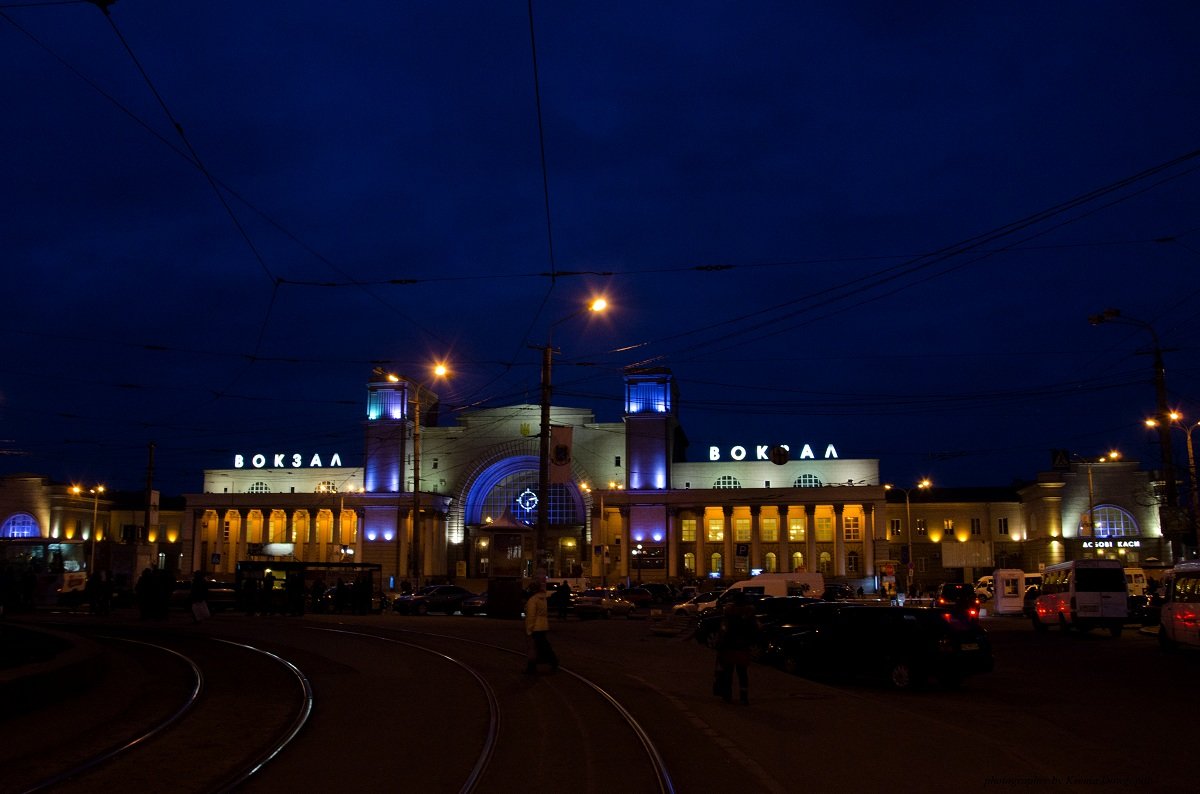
<point x="651" y="427"/>
<point x="387" y="434"/>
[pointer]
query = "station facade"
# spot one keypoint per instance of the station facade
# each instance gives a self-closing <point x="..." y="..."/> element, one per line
<point x="624" y="504"/>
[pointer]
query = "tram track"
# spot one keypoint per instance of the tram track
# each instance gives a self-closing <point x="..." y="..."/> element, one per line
<point x="484" y="775"/>
<point x="169" y="711"/>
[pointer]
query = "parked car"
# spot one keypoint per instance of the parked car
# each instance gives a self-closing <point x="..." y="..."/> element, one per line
<point x="958" y="597"/>
<point x="601" y="603"/>
<point x="708" y="630"/>
<point x="838" y="591"/>
<point x="640" y="596"/>
<point x="474" y="605"/>
<point x="903" y="646"/>
<point x="661" y="593"/>
<point x="697" y="603"/>
<point x="446" y="598"/>
<point x="777" y="617"/>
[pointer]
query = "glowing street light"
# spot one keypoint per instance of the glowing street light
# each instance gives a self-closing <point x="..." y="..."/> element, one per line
<point x="923" y="485"/>
<point x="95" y="491"/>
<point x="597" y="305"/>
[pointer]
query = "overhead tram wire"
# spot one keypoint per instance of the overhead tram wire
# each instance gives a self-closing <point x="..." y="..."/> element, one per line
<point x="925" y="261"/>
<point x="269" y="219"/>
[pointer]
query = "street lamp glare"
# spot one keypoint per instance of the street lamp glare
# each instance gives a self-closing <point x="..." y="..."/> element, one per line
<point x="440" y="371"/>
<point x="598" y="305"/>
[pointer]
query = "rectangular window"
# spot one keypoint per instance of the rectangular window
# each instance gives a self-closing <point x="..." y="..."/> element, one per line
<point x="687" y="530"/>
<point x="824" y="529"/>
<point x="922" y="565"/>
<point x="852" y="527"/>
<point x="948" y="525"/>
<point x="1002" y="526"/>
<point x="796" y="530"/>
<point x="895" y="527"/>
<point x="225" y="531"/>
<point x="768" y="530"/>
<point x="741" y="530"/>
<point x="976" y="527"/>
<point x="921" y="528"/>
<point x="716" y="530"/>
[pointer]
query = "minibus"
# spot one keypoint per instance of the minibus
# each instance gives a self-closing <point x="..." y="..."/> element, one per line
<point x="1083" y="594"/>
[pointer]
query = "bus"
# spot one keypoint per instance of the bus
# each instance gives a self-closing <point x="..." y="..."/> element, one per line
<point x="41" y="572"/>
<point x="317" y="582"/>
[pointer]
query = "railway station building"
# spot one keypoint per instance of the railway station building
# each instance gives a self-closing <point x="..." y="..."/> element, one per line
<point x="627" y="501"/>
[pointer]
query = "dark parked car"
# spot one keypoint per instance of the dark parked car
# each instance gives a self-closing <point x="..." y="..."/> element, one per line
<point x="601" y="603"/>
<point x="640" y="596"/>
<point x="708" y="630"/>
<point x="838" y="591"/>
<point x="903" y="646"/>
<point x="446" y="598"/>
<point x="474" y="605"/>
<point x="662" y="593"/>
<point x="959" y="597"/>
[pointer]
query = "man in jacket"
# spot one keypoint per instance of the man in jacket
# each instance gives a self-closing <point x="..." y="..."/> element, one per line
<point x="537" y="628"/>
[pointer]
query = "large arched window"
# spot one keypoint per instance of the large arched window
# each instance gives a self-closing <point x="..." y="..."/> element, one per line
<point x="715" y="564"/>
<point x="769" y="563"/>
<point x="727" y="481"/>
<point x="327" y="486"/>
<point x="797" y="561"/>
<point x="1111" y="522"/>
<point x="20" y="525"/>
<point x="825" y="563"/>
<point x="258" y="487"/>
<point x="515" y="496"/>
<point x="689" y="563"/>
<point x="807" y="481"/>
<point x="851" y="563"/>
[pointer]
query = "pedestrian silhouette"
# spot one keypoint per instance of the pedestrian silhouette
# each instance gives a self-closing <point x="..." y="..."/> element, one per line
<point x="739" y="631"/>
<point x="537" y="627"/>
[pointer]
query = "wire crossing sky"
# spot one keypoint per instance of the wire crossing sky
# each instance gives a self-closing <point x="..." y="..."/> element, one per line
<point x="878" y="227"/>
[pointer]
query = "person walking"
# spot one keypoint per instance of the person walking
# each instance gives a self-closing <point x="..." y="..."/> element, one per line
<point x="537" y="629"/>
<point x="562" y="599"/>
<point x="199" y="597"/>
<point x="739" y="631"/>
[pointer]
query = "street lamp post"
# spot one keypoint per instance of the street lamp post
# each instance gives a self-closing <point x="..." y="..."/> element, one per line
<point x="1163" y="417"/>
<point x="1090" y="464"/>
<point x="637" y="555"/>
<point x="1177" y="421"/>
<point x="543" y="492"/>
<point x="414" y="554"/>
<point x="921" y="486"/>
<point x="95" y="491"/>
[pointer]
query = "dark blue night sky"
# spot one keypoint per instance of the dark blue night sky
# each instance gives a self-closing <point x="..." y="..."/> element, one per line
<point x="877" y="225"/>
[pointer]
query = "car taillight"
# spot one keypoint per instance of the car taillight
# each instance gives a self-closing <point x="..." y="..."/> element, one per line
<point x="973" y="613"/>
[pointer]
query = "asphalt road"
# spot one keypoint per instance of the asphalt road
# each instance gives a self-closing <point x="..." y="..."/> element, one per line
<point x="1082" y="712"/>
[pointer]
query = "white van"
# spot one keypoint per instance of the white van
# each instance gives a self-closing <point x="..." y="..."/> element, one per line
<point x="1179" y="623"/>
<point x="1083" y="594"/>
<point x="1135" y="580"/>
<point x="811" y="585"/>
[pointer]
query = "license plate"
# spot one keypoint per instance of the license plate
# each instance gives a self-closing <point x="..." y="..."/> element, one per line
<point x="970" y="646"/>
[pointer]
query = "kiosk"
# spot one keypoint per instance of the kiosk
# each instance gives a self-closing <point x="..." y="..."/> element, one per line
<point x="1008" y="591"/>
